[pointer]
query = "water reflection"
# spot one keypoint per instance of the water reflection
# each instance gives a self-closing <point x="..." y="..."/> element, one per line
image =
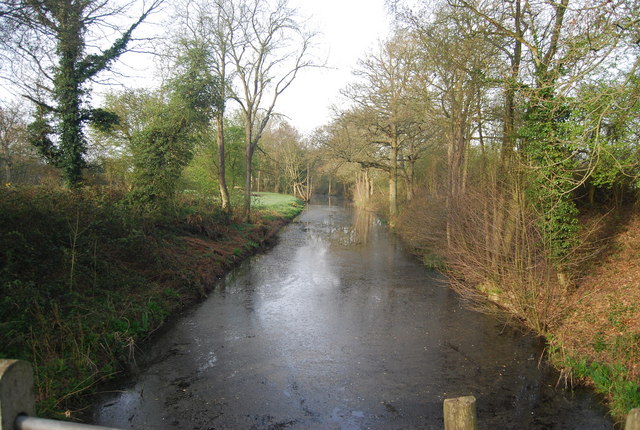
<point x="357" y="232"/>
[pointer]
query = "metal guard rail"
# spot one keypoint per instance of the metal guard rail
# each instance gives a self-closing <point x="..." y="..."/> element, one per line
<point x="24" y="422"/>
<point x="17" y="401"/>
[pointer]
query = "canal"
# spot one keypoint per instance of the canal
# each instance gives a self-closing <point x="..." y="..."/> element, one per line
<point x="339" y="327"/>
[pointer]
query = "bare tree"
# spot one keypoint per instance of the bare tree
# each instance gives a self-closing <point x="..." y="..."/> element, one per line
<point x="386" y="97"/>
<point x="290" y="160"/>
<point x="455" y="59"/>
<point x="268" y="47"/>
<point x="13" y="137"/>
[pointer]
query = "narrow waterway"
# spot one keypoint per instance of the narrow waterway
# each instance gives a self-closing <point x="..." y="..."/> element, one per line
<point x="338" y="327"/>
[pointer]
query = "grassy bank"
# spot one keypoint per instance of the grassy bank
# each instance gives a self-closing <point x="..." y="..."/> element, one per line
<point x="85" y="278"/>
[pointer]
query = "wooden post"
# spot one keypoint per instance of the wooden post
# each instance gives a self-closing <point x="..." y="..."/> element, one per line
<point x="16" y="392"/>
<point x="633" y="420"/>
<point x="460" y="413"/>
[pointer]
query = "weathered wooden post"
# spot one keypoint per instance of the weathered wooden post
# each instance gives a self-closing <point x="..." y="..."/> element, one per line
<point x="633" y="420"/>
<point x="460" y="413"/>
<point x="16" y="392"/>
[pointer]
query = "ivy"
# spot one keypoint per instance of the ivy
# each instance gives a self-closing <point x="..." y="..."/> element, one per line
<point x="58" y="132"/>
<point x="549" y="137"/>
<point x="165" y="145"/>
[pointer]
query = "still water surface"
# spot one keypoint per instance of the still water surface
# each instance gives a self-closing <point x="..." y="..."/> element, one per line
<point x="338" y="327"/>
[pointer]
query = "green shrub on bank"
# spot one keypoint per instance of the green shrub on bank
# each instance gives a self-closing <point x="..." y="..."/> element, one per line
<point x="69" y="262"/>
<point x="608" y="380"/>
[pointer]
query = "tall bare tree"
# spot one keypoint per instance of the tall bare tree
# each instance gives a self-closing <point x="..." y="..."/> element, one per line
<point x="268" y="48"/>
<point x="386" y="97"/>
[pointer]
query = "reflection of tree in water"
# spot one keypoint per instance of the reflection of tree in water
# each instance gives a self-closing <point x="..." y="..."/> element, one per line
<point x="360" y="229"/>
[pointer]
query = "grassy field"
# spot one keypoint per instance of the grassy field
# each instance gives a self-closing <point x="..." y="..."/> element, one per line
<point x="277" y="204"/>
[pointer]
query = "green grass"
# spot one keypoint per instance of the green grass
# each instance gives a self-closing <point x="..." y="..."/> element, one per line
<point x="282" y="204"/>
<point x="610" y="380"/>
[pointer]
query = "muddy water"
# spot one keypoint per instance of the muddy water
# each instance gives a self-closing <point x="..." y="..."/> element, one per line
<point x="337" y="327"/>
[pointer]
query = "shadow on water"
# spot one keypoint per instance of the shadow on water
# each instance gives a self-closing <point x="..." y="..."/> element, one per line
<point x="337" y="327"/>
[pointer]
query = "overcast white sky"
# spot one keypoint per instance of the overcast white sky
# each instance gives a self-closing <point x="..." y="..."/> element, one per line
<point x="348" y="29"/>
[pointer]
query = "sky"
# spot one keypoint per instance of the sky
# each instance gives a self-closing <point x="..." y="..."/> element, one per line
<point x="347" y="30"/>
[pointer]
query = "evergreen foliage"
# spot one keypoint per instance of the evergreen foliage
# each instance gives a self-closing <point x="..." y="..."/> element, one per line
<point x="57" y="130"/>
<point x="548" y="140"/>
<point x="166" y="144"/>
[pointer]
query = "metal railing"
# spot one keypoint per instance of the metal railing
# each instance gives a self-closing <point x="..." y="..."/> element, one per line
<point x="17" y="401"/>
<point x="17" y="406"/>
<point x="24" y="422"/>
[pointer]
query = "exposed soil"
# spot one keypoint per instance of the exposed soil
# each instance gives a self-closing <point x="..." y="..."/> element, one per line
<point x="202" y="259"/>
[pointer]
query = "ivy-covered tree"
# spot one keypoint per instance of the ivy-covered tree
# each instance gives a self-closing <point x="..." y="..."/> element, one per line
<point x="160" y="152"/>
<point x="51" y="35"/>
<point x="550" y="138"/>
<point x="164" y="146"/>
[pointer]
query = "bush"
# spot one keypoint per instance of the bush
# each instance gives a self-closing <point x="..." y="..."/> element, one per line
<point x="69" y="263"/>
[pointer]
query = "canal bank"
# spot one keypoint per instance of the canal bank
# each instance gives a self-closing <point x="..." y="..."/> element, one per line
<point x="337" y="326"/>
<point x="86" y="277"/>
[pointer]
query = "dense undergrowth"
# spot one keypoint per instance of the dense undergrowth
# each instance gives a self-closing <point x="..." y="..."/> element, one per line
<point x="85" y="277"/>
<point x="591" y="325"/>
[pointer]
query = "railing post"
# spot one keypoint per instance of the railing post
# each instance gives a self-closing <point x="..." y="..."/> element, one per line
<point x="460" y="413"/>
<point x="633" y="420"/>
<point x="16" y="392"/>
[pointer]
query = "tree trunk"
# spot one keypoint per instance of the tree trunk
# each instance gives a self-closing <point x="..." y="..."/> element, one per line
<point x="258" y="180"/>
<point x="308" y="190"/>
<point x="248" y="159"/>
<point x="68" y="93"/>
<point x="509" y="105"/>
<point x="247" y="186"/>
<point x="393" y="181"/>
<point x="222" y="180"/>
<point x="7" y="170"/>
<point x="411" y="174"/>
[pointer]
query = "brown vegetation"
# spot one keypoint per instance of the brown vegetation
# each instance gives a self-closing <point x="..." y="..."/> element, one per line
<point x="604" y="324"/>
<point x="494" y="254"/>
<point x="496" y="260"/>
